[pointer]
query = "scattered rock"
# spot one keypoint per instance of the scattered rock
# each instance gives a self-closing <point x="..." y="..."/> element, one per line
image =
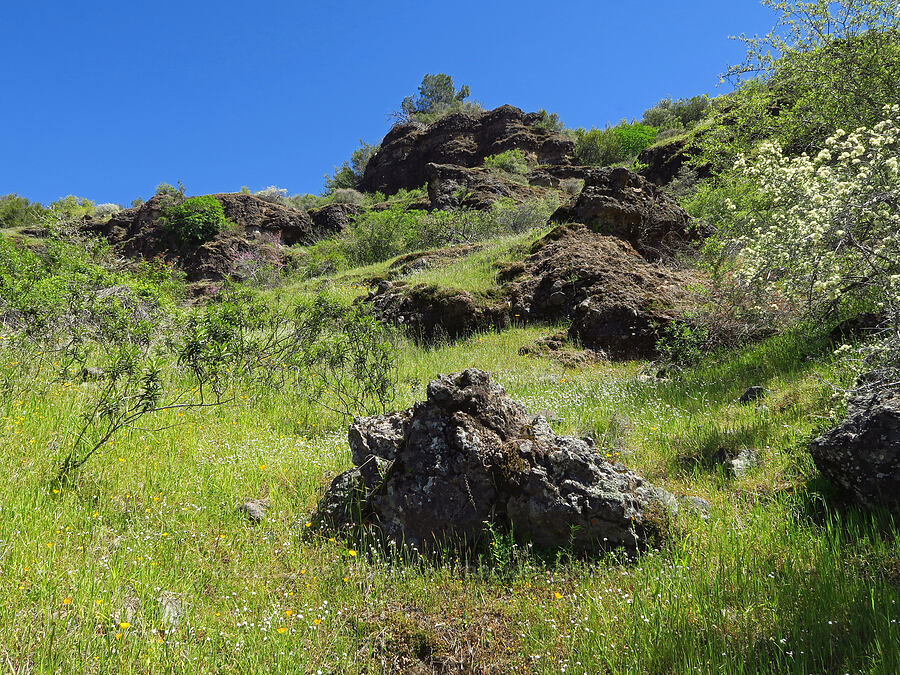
<point x="463" y="140"/>
<point x="861" y="456"/>
<point x="736" y="464"/>
<point x="468" y="459"/>
<point x="752" y="394"/>
<point x="696" y="505"/>
<point x="172" y="607"/>
<point x="557" y="347"/>
<point x="429" y="313"/>
<point x="619" y="202"/>
<point x="423" y="260"/>
<point x="262" y="228"/>
<point x="254" y="509"/>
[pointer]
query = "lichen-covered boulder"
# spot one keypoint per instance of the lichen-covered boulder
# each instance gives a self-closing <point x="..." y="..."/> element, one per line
<point x="861" y="456"/>
<point x="469" y="459"/>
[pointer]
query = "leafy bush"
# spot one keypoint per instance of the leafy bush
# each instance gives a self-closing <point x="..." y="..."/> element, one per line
<point x="824" y="66"/>
<point x="549" y="122"/>
<point x="166" y="190"/>
<point x="437" y="97"/>
<point x="16" y="211"/>
<point x="196" y="219"/>
<point x="71" y="209"/>
<point x="106" y="210"/>
<point x="612" y="145"/>
<point x="273" y="194"/>
<point x="817" y="232"/>
<point x="511" y="161"/>
<point x="676" y="115"/>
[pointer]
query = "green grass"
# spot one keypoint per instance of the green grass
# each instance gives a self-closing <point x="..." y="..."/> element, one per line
<point x="778" y="579"/>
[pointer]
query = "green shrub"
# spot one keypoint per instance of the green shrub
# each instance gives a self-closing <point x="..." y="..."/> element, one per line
<point x="195" y="220"/>
<point x="676" y="115"/>
<point x="16" y="211"/>
<point x="549" y="122"/>
<point x="511" y="161"/>
<point x="603" y="147"/>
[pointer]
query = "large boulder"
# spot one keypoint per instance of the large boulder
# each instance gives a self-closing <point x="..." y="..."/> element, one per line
<point x="428" y="313"/>
<point x="462" y="139"/>
<point x="469" y="460"/>
<point x="617" y="300"/>
<point x="662" y="163"/>
<point x="861" y="456"/>
<point x="619" y="202"/>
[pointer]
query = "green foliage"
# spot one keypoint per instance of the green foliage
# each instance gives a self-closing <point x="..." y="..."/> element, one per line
<point x="677" y="114"/>
<point x="166" y="190"/>
<point x="511" y="161"/>
<point x="71" y="209"/>
<point x="437" y="97"/>
<point x="824" y="66"/>
<point x="350" y="174"/>
<point x="549" y="122"/>
<point x="195" y="220"/>
<point x="16" y="211"/>
<point x="612" y="145"/>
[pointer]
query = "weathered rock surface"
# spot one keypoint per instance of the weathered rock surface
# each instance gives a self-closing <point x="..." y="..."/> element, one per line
<point x="662" y="163"/>
<point x="736" y="463"/>
<point x="862" y="454"/>
<point x="429" y="313"/>
<point x="468" y="459"/>
<point x="262" y="227"/>
<point x="619" y="202"/>
<point x="332" y="219"/>
<point x="426" y="260"/>
<point x="460" y="139"/>
<point x="451" y="187"/>
<point x="616" y="299"/>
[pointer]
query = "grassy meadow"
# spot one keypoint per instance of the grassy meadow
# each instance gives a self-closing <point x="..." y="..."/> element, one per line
<point x="143" y="562"/>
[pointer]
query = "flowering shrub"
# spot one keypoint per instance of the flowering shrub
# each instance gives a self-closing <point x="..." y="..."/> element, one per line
<point x="821" y="232"/>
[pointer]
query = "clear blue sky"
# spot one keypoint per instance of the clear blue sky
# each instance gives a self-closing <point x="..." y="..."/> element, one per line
<point x="107" y="99"/>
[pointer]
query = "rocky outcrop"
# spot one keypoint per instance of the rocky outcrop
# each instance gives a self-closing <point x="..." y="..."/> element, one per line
<point x="616" y="299"/>
<point x="619" y="202"/>
<point x="662" y="163"/>
<point x="333" y="219"/>
<point x="861" y="456"/>
<point x="451" y="187"/>
<point x="428" y="313"/>
<point x="469" y="460"/>
<point x="262" y="228"/>
<point x="460" y="139"/>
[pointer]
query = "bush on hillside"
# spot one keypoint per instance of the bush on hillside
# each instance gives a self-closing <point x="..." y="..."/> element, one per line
<point x="437" y="97"/>
<point x="511" y="161"/>
<point x="603" y="147"/>
<point x="195" y="220"/>
<point x="350" y="174"/>
<point x="676" y="114"/>
<point x="16" y="211"/>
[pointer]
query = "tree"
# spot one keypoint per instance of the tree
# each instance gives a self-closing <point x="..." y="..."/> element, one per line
<point x="350" y="174"/>
<point x="437" y="97"/>
<point x="824" y="66"/>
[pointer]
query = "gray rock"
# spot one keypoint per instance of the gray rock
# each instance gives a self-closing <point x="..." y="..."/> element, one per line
<point x="696" y="505"/>
<point x="254" y="509"/>
<point x="470" y="459"/>
<point x="861" y="456"/>
<point x="752" y="394"/>
<point x="737" y="464"/>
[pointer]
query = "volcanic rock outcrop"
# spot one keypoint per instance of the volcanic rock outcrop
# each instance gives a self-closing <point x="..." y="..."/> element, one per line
<point x="861" y="456"/>
<point x="469" y="460"/>
<point x="463" y="140"/>
<point x="621" y="203"/>
<point x="262" y="227"/>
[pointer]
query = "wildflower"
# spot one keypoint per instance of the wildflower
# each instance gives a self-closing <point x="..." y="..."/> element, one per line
<point x="351" y="553"/>
<point x="67" y="601"/>
<point x="124" y="625"/>
<point x="282" y="630"/>
<point x="557" y="595"/>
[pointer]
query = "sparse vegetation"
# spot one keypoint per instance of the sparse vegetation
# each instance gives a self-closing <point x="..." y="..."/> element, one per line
<point x="196" y="219"/>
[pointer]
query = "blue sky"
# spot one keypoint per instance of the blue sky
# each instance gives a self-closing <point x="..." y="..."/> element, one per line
<point x="107" y="99"/>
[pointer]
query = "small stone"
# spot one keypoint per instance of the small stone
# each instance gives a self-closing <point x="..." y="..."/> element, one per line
<point x="696" y="505"/>
<point x="738" y="464"/>
<point x="752" y="394"/>
<point x="254" y="509"/>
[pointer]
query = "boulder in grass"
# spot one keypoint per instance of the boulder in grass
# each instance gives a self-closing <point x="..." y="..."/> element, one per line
<point x="861" y="456"/>
<point x="469" y="460"/>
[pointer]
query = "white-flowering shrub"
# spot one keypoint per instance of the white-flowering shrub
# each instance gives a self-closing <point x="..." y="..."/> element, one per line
<point x="826" y="227"/>
<point x="273" y="194"/>
<point x="106" y="210"/>
<point x="816" y="232"/>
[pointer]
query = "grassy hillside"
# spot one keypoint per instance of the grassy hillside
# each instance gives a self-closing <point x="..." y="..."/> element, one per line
<point x="144" y="563"/>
